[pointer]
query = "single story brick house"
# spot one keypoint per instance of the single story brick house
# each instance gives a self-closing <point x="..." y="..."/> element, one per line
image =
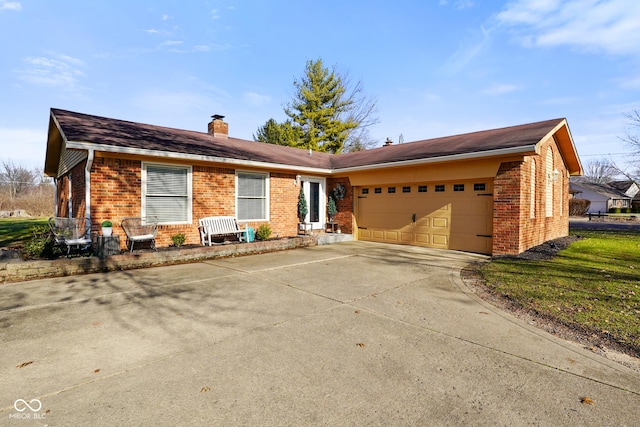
<point x="496" y="192"/>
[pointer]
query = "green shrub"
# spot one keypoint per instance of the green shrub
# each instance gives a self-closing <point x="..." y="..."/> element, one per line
<point x="263" y="233"/>
<point x="302" y="205"/>
<point x="332" y="209"/>
<point x="178" y="239"/>
<point x="626" y="210"/>
<point x="107" y="223"/>
<point x="615" y="210"/>
<point x="41" y="245"/>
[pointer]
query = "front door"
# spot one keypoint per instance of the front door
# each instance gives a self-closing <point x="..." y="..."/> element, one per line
<point x="314" y="192"/>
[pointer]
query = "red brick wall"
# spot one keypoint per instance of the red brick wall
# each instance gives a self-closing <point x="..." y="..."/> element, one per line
<point x="514" y="231"/>
<point x="77" y="196"/>
<point x="507" y="207"/>
<point x="116" y="193"/>
<point x="344" y="217"/>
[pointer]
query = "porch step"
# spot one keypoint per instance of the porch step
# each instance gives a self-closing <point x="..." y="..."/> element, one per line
<point x="329" y="238"/>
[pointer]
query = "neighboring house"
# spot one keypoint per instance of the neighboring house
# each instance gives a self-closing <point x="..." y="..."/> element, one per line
<point x="497" y="192"/>
<point x="630" y="189"/>
<point x="602" y="196"/>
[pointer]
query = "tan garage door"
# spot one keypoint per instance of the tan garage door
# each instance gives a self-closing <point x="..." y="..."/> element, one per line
<point x="436" y="215"/>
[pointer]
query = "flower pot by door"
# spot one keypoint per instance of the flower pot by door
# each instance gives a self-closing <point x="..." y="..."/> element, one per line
<point x="106" y="231"/>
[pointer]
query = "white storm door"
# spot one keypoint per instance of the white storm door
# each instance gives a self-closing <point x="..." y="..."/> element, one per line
<point x="314" y="192"/>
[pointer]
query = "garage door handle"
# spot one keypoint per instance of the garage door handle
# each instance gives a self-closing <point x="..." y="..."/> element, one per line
<point x="484" y="235"/>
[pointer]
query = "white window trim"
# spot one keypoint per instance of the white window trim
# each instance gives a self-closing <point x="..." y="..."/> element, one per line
<point x="532" y="189"/>
<point x="267" y="197"/>
<point x="549" y="187"/>
<point x="189" y="170"/>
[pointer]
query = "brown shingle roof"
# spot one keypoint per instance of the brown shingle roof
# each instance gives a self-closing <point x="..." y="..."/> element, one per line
<point x="85" y="128"/>
<point x="512" y="137"/>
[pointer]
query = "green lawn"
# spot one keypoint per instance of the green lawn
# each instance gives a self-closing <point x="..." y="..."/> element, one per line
<point x="593" y="284"/>
<point x="16" y="231"/>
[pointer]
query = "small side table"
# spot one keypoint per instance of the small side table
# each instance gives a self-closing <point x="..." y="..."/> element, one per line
<point x="304" y="228"/>
<point x="331" y="227"/>
<point x="106" y="245"/>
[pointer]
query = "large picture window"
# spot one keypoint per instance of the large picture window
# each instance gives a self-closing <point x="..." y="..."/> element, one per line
<point x="252" y="201"/>
<point x="166" y="193"/>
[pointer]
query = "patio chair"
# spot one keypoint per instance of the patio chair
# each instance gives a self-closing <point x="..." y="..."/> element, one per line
<point x="71" y="232"/>
<point x="140" y="229"/>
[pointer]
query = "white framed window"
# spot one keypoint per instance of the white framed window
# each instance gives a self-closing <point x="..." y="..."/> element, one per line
<point x="167" y="193"/>
<point x="532" y="189"/>
<point x="252" y="196"/>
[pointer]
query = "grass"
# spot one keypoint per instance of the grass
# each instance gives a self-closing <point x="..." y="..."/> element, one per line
<point x="593" y="285"/>
<point x="16" y="231"/>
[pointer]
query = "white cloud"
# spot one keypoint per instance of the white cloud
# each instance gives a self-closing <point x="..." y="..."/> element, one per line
<point x="53" y="71"/>
<point x="10" y="5"/>
<point x="609" y="26"/>
<point x="214" y="14"/>
<point x="459" y="4"/>
<point x="467" y="52"/>
<point x="256" y="99"/>
<point x="500" y="89"/>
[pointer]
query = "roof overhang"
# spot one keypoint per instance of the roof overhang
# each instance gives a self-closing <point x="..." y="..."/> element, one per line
<point x="567" y="148"/>
<point x="451" y="158"/>
<point x="55" y="144"/>
<point x="80" y="145"/>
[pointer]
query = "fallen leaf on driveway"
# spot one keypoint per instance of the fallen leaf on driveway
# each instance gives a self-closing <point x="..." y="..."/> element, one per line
<point x="360" y="344"/>
<point x="22" y="365"/>
<point x="205" y="389"/>
<point x="587" y="400"/>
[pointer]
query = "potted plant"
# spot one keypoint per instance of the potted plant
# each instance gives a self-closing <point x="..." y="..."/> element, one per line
<point x="302" y="210"/>
<point x="331" y="208"/>
<point x="107" y="228"/>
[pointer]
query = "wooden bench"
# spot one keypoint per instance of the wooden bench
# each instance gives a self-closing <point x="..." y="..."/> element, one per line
<point x="218" y="226"/>
<point x="140" y="230"/>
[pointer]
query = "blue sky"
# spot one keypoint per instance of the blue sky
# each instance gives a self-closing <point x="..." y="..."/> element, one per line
<point x="436" y="68"/>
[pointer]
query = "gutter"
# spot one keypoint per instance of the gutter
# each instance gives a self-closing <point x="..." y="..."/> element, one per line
<point x="277" y="166"/>
<point x="87" y="186"/>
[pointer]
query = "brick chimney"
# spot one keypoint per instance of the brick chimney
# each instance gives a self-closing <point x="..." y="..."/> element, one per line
<point x="218" y="128"/>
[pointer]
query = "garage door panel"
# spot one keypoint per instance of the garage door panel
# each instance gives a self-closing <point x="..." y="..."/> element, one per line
<point x="422" y="238"/>
<point x="451" y="219"/>
<point x="441" y="240"/>
<point x="440" y="223"/>
<point x="406" y="237"/>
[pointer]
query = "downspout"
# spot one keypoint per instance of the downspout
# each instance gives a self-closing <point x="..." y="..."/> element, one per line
<point x="87" y="188"/>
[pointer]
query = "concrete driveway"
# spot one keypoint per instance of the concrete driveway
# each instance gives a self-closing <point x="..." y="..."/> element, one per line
<point x="347" y="334"/>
